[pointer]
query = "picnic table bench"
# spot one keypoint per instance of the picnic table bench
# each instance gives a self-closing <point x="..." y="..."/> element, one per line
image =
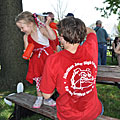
<point x="108" y="75"/>
<point x="26" y="100"/>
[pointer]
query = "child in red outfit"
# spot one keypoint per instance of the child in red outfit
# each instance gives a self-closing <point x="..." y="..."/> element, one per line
<point x="72" y="72"/>
<point x="38" y="34"/>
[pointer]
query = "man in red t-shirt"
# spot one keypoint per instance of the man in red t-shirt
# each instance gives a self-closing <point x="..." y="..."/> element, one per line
<point x="72" y="72"/>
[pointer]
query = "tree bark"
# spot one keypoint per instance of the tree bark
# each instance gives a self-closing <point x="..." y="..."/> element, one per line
<point x="13" y="67"/>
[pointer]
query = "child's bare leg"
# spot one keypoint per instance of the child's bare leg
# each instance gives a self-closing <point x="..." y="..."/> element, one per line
<point x="39" y="93"/>
<point x="39" y="99"/>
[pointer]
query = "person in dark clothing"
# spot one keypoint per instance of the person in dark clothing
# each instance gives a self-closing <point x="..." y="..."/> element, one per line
<point x="102" y="38"/>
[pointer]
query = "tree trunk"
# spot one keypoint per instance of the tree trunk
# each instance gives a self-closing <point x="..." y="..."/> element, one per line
<point x="13" y="67"/>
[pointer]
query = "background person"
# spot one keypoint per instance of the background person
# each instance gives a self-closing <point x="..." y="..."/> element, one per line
<point x="72" y="72"/>
<point x="102" y="38"/>
<point x="116" y="47"/>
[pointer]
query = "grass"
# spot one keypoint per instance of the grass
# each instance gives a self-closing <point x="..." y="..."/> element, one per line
<point x="109" y="59"/>
<point x="108" y="94"/>
<point x="5" y="110"/>
<point x="110" y="97"/>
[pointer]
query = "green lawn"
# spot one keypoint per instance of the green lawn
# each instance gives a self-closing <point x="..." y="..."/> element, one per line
<point x="108" y="94"/>
<point x="110" y="97"/>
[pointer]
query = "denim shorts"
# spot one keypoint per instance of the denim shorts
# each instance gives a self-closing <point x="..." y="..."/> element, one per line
<point x="102" y="109"/>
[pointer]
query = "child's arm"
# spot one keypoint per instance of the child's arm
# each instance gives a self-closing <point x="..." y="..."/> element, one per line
<point x="28" y="50"/>
<point x="47" y="31"/>
<point x="25" y="41"/>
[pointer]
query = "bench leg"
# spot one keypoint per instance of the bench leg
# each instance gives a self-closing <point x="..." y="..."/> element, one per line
<point x="117" y="84"/>
<point x="17" y="114"/>
<point x="21" y="112"/>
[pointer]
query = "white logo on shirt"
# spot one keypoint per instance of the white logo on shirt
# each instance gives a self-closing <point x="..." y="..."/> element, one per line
<point x="82" y="79"/>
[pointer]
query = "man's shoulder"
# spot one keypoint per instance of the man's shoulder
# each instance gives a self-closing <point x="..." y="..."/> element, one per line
<point x="95" y="28"/>
<point x="90" y="35"/>
<point x="54" y="59"/>
<point x="56" y="55"/>
<point x="102" y="29"/>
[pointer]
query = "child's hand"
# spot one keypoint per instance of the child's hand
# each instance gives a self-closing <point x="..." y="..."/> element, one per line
<point x="31" y="54"/>
<point x="48" y="20"/>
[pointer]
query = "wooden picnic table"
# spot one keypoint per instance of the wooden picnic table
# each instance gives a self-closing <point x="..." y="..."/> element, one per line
<point x="108" y="73"/>
<point x="26" y="101"/>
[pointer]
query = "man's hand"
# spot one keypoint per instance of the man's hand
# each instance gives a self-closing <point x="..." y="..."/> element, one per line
<point x="89" y="30"/>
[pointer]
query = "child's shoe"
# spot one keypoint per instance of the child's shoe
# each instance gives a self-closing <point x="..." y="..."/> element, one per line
<point x="38" y="102"/>
<point x="49" y="102"/>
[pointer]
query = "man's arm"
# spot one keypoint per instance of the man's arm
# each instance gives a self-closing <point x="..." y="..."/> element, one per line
<point x="107" y="36"/>
<point x="47" y="83"/>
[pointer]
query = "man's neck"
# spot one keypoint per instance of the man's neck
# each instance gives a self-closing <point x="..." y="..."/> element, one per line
<point x="98" y="25"/>
<point x="72" y="47"/>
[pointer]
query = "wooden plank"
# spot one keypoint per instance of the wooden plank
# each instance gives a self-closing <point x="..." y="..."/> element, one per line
<point x="26" y="100"/>
<point x="108" y="73"/>
<point x="102" y="117"/>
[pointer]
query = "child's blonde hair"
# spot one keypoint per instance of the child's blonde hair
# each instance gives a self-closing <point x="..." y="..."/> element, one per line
<point x="29" y="17"/>
<point x="26" y="16"/>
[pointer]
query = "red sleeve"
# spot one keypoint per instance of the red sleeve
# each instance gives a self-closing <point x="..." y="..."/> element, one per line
<point x="47" y="84"/>
<point x="91" y="40"/>
<point x="91" y="37"/>
<point x="91" y="46"/>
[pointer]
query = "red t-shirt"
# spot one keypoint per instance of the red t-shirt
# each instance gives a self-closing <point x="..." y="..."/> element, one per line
<point x="74" y="77"/>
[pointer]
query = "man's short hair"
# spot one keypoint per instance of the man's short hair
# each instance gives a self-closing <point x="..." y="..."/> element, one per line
<point x="72" y="29"/>
<point x="98" y="22"/>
